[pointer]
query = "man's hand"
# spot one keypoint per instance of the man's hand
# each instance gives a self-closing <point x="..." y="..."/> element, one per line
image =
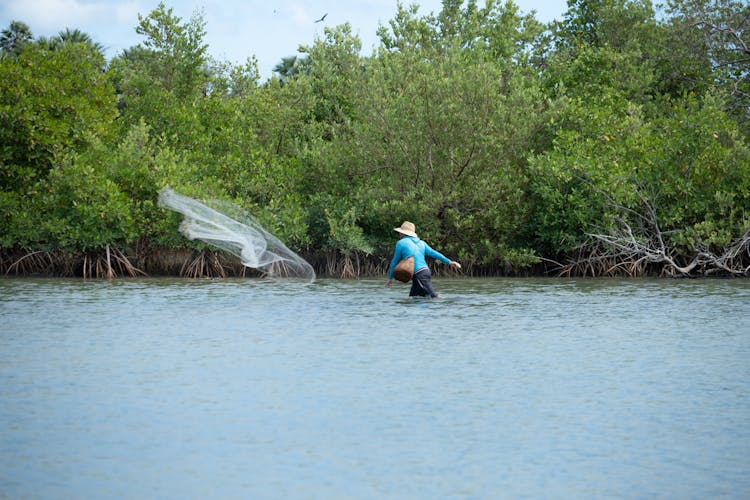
<point x="455" y="264"/>
<point x="389" y="283"/>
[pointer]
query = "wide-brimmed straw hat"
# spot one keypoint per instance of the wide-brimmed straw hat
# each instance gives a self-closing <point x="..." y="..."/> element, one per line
<point x="406" y="228"/>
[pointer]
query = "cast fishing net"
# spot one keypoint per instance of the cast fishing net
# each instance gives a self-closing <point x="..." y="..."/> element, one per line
<point x="235" y="231"/>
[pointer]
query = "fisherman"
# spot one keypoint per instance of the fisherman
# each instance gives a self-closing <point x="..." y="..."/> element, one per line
<point x="409" y="245"/>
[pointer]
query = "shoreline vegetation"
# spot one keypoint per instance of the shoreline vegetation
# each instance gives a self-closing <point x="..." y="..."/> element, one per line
<point x="113" y="263"/>
<point x="614" y="141"/>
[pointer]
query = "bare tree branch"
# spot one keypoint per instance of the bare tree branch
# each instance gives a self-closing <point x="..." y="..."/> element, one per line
<point x="630" y="249"/>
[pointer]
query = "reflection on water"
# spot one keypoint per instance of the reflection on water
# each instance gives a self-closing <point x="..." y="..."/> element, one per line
<point x="259" y="389"/>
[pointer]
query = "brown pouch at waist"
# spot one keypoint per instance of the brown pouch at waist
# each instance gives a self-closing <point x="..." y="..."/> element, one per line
<point x="404" y="270"/>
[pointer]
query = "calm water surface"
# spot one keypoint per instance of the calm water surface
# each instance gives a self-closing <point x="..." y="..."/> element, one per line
<point x="508" y="388"/>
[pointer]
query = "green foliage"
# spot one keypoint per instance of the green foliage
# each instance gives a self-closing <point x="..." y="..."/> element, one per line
<point x="445" y="130"/>
<point x="289" y="68"/>
<point x="229" y="80"/>
<point x="699" y="174"/>
<point x="175" y="53"/>
<point x="17" y="223"/>
<point x="619" y="24"/>
<point x="715" y="34"/>
<point x="333" y="69"/>
<point x="160" y="80"/>
<point x="335" y="225"/>
<point x="691" y="163"/>
<point x="140" y="166"/>
<point x="69" y="37"/>
<point x="93" y="198"/>
<point x="79" y="209"/>
<point x="13" y="38"/>
<point x="604" y="46"/>
<point x="502" y="140"/>
<point x="50" y="101"/>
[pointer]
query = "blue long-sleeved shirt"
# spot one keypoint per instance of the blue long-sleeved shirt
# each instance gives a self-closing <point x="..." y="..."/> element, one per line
<point x="410" y="246"/>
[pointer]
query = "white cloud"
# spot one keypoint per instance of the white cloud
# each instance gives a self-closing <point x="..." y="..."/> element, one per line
<point x="56" y="14"/>
<point x="299" y="14"/>
<point x="127" y="12"/>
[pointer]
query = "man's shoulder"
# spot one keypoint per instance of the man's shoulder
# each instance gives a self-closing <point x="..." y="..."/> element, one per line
<point x="408" y="243"/>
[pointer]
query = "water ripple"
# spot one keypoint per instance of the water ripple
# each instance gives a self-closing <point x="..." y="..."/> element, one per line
<point x="251" y="388"/>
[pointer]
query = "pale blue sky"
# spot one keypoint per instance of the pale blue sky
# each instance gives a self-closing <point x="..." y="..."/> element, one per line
<point x="235" y="29"/>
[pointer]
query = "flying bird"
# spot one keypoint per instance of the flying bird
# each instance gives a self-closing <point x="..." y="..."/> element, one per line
<point x="321" y="19"/>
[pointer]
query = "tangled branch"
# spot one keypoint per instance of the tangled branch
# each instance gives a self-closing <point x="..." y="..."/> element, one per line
<point x="632" y="249"/>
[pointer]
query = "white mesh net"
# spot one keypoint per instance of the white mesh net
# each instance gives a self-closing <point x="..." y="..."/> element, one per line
<point x="234" y="230"/>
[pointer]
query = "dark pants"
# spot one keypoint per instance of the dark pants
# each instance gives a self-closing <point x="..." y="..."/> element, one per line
<point x="421" y="285"/>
